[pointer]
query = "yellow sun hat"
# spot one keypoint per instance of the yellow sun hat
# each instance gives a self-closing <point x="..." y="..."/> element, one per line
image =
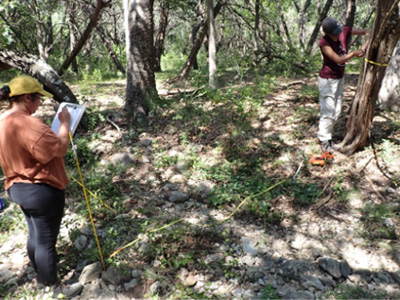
<point x="26" y="85"/>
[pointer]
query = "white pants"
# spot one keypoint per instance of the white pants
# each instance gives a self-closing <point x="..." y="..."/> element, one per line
<point x="330" y="101"/>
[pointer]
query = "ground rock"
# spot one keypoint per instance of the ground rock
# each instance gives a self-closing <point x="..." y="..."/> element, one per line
<point x="122" y="158"/>
<point x="81" y="242"/>
<point x="300" y="295"/>
<point x="289" y="270"/>
<point x="113" y="276"/>
<point x="178" y="197"/>
<point x="249" y="247"/>
<point x="309" y="282"/>
<point x="345" y="269"/>
<point x="331" y="266"/>
<point x="131" y="284"/>
<point x="5" y="275"/>
<point x="91" y="273"/>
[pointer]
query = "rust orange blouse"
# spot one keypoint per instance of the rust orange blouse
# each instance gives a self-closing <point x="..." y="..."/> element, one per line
<point x="27" y="152"/>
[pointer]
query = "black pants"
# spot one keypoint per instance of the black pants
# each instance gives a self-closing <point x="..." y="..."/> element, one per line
<point x="43" y="207"/>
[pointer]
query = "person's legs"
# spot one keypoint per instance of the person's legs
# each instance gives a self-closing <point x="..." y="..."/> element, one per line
<point x="30" y="244"/>
<point x="45" y="205"/>
<point x="338" y="97"/>
<point x="330" y="106"/>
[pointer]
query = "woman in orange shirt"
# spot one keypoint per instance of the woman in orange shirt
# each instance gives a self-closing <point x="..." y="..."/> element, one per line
<point x="31" y="156"/>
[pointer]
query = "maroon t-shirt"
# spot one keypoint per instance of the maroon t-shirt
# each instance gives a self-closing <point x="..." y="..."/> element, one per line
<point x="330" y="69"/>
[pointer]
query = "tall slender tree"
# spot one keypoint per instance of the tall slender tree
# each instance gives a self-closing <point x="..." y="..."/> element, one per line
<point x="212" y="47"/>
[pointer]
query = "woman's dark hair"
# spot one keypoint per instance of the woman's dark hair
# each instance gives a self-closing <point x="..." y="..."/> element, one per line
<point x="33" y="96"/>
<point x="5" y="92"/>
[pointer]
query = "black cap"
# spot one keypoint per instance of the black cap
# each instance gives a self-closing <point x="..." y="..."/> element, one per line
<point x="331" y="26"/>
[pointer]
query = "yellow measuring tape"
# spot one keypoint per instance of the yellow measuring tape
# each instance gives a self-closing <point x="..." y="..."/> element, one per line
<point x="87" y="201"/>
<point x="180" y="220"/>
<point x="93" y="195"/>
<point x="375" y="63"/>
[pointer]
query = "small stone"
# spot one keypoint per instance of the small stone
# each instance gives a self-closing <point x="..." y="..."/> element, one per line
<point x="249" y="248"/>
<point x="331" y="266"/>
<point x="155" y="287"/>
<point x="90" y="273"/>
<point x="345" y="269"/>
<point x="178" y="197"/>
<point x="131" y="284"/>
<point x="81" y="242"/>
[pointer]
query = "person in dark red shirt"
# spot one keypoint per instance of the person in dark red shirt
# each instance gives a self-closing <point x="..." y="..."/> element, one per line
<point x="335" y="54"/>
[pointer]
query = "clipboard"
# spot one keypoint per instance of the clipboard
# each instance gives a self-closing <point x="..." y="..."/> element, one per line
<point x="76" y="111"/>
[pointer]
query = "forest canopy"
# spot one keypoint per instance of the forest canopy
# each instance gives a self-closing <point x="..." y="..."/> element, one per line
<point x="278" y="35"/>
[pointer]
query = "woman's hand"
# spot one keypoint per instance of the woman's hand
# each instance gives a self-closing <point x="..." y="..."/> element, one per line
<point x="65" y="116"/>
<point x="360" y="52"/>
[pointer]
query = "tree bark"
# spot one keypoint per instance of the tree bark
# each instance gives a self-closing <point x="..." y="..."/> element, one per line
<point x="85" y="36"/>
<point x="197" y="44"/>
<point x="302" y="21"/>
<point x="385" y="35"/>
<point x="350" y="15"/>
<point x="109" y="47"/>
<point x="162" y="29"/>
<point x="389" y="94"/>
<point x="212" y="49"/>
<point x="44" y="29"/>
<point x="140" y="80"/>
<point x="284" y="25"/>
<point x="256" y="32"/>
<point x="73" y="31"/>
<point x="315" y="32"/>
<point x="41" y="70"/>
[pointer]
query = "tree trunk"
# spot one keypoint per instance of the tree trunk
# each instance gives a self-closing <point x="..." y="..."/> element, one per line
<point x="140" y="79"/>
<point x="256" y="32"/>
<point x="302" y="21"/>
<point x="39" y="69"/>
<point x="44" y="28"/>
<point x="315" y="32"/>
<point x="73" y="31"/>
<point x="284" y="25"/>
<point x="212" y="49"/>
<point x="197" y="44"/>
<point x="350" y="15"/>
<point x="85" y="36"/>
<point x="162" y="29"/>
<point x="389" y="94"/>
<point x="385" y="34"/>
<point x="109" y="47"/>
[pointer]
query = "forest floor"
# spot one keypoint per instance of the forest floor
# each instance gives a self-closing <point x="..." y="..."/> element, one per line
<point x="238" y="156"/>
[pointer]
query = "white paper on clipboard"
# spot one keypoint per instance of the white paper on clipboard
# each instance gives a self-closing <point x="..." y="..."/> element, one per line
<point x="76" y="111"/>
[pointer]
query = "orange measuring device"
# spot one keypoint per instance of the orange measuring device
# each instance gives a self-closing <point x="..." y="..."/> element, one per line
<point x="320" y="160"/>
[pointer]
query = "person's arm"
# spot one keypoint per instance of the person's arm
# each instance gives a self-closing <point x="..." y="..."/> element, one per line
<point x="63" y="132"/>
<point x="366" y="32"/>
<point x="340" y="60"/>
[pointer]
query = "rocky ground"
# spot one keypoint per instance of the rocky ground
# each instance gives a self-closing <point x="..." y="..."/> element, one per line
<point x="319" y="251"/>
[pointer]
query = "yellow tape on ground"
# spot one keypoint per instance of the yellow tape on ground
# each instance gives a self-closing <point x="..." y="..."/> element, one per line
<point x="87" y="202"/>
<point x="93" y="195"/>
<point x="180" y="220"/>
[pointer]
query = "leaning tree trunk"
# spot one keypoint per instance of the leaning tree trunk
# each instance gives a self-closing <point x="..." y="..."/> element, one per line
<point x="85" y="36"/>
<point x="384" y="36"/>
<point x="317" y="27"/>
<point x="140" y="79"/>
<point x="109" y="47"/>
<point x="39" y="69"/>
<point x="197" y="43"/>
<point x="162" y="29"/>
